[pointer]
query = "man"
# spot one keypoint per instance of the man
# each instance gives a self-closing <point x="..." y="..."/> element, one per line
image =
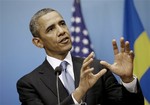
<point x="94" y="82"/>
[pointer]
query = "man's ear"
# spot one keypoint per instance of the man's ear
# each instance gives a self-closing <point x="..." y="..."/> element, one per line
<point x="37" y="42"/>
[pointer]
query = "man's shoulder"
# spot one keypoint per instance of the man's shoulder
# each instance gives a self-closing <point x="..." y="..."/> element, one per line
<point x="81" y="59"/>
<point x="34" y="72"/>
<point x="74" y="58"/>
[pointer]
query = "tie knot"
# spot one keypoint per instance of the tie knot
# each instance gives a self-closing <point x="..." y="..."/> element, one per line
<point x="64" y="65"/>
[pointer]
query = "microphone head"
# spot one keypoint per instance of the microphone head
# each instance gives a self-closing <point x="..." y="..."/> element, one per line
<point x="58" y="70"/>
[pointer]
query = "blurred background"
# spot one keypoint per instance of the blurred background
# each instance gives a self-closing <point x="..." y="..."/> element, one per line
<point x="18" y="56"/>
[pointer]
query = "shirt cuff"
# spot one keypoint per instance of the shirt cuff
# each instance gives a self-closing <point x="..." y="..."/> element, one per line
<point x="132" y="86"/>
<point x="74" y="100"/>
<point x="76" y="103"/>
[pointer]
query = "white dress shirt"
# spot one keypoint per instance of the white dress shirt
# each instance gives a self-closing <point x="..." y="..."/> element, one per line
<point x="56" y="62"/>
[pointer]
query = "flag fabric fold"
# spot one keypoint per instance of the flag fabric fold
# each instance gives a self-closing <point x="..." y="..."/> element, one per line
<point x="139" y="42"/>
<point x="80" y="37"/>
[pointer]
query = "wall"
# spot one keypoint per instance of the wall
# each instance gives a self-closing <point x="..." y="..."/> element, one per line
<point x="18" y="56"/>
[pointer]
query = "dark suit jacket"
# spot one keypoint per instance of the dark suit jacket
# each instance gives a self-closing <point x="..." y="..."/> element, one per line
<point x="39" y="88"/>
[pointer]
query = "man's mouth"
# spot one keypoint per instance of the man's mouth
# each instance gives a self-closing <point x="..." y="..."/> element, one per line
<point x="64" y="40"/>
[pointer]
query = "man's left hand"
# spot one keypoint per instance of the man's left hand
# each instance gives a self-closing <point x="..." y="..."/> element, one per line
<point x="123" y="61"/>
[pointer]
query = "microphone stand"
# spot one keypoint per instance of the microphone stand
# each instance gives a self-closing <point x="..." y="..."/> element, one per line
<point x="57" y="73"/>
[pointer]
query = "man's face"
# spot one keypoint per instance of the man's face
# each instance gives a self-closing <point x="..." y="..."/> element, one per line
<point x="54" y="34"/>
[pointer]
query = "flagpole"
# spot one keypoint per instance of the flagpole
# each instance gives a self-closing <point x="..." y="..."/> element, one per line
<point x="77" y="1"/>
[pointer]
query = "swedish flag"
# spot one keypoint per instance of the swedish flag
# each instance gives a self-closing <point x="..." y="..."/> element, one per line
<point x="134" y="32"/>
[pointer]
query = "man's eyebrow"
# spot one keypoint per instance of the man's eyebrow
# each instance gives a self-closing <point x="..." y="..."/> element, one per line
<point x="48" y="28"/>
<point x="62" y="21"/>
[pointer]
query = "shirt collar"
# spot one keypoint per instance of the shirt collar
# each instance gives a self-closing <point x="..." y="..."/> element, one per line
<point x="54" y="62"/>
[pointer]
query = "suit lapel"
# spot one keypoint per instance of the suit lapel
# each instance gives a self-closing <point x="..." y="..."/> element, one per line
<point x="77" y="64"/>
<point x="76" y="67"/>
<point x="48" y="77"/>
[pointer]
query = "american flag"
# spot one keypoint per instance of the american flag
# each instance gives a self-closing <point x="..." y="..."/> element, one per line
<point x="82" y="46"/>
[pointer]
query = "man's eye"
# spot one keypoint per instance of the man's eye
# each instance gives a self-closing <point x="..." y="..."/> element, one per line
<point x="50" y="29"/>
<point x="63" y="23"/>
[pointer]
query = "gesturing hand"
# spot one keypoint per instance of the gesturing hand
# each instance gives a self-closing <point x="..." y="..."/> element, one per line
<point x="87" y="78"/>
<point x="123" y="61"/>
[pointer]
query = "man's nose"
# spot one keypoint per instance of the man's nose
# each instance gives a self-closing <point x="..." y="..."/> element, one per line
<point x="60" y="30"/>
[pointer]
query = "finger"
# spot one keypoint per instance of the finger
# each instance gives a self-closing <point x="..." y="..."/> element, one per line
<point x="107" y="65"/>
<point x="88" y="71"/>
<point x="127" y="47"/>
<point x="87" y="64"/>
<point x="100" y="73"/>
<point x="122" y="44"/>
<point x="131" y="54"/>
<point x="91" y="55"/>
<point x="115" y="47"/>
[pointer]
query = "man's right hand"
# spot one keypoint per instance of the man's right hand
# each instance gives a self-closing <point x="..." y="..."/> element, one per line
<point x="87" y="78"/>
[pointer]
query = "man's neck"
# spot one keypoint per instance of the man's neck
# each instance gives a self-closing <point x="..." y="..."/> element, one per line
<point x="59" y="56"/>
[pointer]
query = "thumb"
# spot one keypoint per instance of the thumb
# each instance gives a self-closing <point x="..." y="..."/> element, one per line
<point x="106" y="64"/>
<point x="100" y="73"/>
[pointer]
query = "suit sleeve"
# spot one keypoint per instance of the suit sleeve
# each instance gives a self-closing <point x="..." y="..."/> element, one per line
<point x="111" y="92"/>
<point x="29" y="96"/>
<point x="118" y="94"/>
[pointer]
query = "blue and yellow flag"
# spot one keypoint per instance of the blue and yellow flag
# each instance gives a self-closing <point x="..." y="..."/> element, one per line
<point x="139" y="42"/>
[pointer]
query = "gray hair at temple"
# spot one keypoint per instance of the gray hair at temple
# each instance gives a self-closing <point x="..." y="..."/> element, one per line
<point x="34" y="26"/>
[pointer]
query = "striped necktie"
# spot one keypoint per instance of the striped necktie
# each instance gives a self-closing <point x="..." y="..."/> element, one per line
<point x="67" y="79"/>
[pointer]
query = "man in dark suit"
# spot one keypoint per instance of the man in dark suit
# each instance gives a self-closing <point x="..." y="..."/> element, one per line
<point x="93" y="79"/>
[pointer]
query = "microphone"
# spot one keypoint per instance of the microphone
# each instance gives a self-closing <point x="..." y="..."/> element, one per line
<point x="57" y="73"/>
<point x="58" y="70"/>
